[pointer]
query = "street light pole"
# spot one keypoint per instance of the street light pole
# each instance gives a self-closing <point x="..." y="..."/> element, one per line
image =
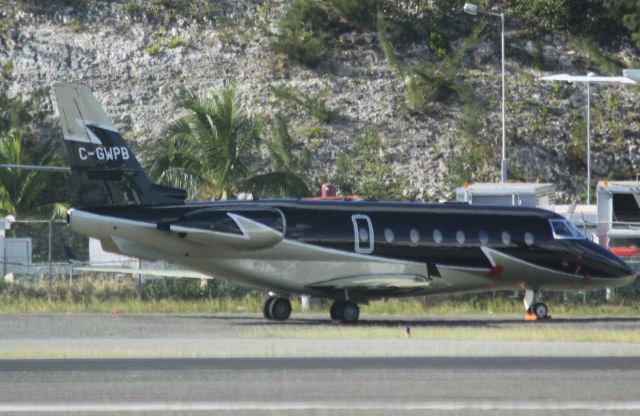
<point x="474" y="9"/>
<point x="590" y="74"/>
<point x="503" y="171"/>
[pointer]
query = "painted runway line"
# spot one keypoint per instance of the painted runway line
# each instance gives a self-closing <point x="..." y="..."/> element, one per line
<point x="295" y="406"/>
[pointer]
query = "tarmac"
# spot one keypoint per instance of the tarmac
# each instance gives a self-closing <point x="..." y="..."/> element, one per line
<point x="199" y="364"/>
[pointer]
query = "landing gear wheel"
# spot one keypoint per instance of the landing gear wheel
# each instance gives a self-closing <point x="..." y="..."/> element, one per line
<point x="267" y="306"/>
<point x="280" y="309"/>
<point x="334" y="312"/>
<point x="349" y="313"/>
<point x="540" y="310"/>
<point x="344" y="311"/>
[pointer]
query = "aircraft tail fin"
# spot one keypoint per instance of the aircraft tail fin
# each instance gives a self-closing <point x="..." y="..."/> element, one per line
<point x="104" y="171"/>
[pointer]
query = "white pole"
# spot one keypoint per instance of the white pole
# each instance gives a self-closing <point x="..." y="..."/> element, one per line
<point x="503" y="176"/>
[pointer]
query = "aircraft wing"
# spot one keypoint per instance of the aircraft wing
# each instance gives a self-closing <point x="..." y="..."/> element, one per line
<point x="179" y="274"/>
<point x="378" y="282"/>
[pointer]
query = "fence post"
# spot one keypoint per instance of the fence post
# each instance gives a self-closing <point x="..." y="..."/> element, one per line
<point x="50" y="244"/>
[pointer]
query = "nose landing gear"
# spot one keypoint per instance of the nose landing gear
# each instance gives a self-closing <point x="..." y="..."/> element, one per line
<point x="535" y="310"/>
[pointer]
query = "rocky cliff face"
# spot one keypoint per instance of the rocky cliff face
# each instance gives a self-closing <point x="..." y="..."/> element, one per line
<point x="135" y="70"/>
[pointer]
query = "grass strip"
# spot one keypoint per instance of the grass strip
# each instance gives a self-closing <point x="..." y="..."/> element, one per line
<point x="253" y="304"/>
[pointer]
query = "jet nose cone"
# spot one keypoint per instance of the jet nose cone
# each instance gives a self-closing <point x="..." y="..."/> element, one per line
<point x="604" y="263"/>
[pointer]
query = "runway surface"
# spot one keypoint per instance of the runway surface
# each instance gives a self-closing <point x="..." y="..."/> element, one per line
<point x="389" y="377"/>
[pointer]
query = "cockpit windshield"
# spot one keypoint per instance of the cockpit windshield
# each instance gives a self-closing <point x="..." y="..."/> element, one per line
<point x="563" y="229"/>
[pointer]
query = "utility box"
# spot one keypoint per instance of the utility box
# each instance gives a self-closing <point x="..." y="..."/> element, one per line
<point x="16" y="255"/>
<point x="619" y="212"/>
<point x="520" y="194"/>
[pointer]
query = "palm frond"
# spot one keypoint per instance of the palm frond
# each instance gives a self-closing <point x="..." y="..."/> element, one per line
<point x="277" y="184"/>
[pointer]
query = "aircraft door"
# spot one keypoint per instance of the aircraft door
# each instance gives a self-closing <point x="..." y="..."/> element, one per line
<point x="363" y="234"/>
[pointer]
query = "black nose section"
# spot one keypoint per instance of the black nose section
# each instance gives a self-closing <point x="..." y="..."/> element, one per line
<point x="605" y="262"/>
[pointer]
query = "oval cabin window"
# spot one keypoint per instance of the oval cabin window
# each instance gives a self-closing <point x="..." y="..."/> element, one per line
<point x="437" y="236"/>
<point x="388" y="235"/>
<point x="414" y="235"/>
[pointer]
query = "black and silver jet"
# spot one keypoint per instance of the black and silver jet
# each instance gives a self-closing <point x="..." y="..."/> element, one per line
<point x="348" y="251"/>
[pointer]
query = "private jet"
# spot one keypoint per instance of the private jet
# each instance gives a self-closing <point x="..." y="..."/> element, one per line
<point x="349" y="251"/>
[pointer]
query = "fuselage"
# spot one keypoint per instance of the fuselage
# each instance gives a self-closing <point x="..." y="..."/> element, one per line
<point x="326" y="247"/>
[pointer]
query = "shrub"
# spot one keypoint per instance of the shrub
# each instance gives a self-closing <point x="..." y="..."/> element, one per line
<point x="300" y="33"/>
<point x="368" y="172"/>
<point x="152" y="50"/>
<point x="359" y="13"/>
<point x="313" y="105"/>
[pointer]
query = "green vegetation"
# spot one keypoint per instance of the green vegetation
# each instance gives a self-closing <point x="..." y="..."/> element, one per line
<point x="590" y="48"/>
<point x="97" y="293"/>
<point x="430" y="81"/>
<point x="577" y="147"/>
<point x="166" y="12"/>
<point x="368" y="172"/>
<point x="94" y="293"/>
<point x="301" y="35"/>
<point x="314" y="106"/>
<point x="21" y="191"/>
<point x="212" y="148"/>
<point x="42" y="7"/>
<point x="472" y="157"/>
<point x="308" y="30"/>
<point x="22" y="123"/>
<point x="76" y="26"/>
<point x="288" y="162"/>
<point x="159" y="42"/>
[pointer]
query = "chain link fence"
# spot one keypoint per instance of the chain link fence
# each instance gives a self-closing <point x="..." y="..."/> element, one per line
<point x="39" y="250"/>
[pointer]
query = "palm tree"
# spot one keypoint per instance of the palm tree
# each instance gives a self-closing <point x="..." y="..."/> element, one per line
<point x="288" y="169"/>
<point x="22" y="191"/>
<point x="212" y="150"/>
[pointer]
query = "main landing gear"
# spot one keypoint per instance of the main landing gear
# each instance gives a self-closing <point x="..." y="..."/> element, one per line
<point x="535" y="310"/>
<point x="277" y="308"/>
<point x="344" y="311"/>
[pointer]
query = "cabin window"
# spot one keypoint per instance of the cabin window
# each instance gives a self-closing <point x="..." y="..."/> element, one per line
<point x="483" y="237"/>
<point x="506" y="238"/>
<point x="414" y="235"/>
<point x="389" y="235"/>
<point x="460" y="237"/>
<point x="437" y="236"/>
<point x="528" y="238"/>
<point x="563" y="229"/>
<point x="364" y="235"/>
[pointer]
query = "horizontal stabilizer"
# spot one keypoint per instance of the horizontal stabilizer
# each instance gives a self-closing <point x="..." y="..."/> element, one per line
<point x="255" y="236"/>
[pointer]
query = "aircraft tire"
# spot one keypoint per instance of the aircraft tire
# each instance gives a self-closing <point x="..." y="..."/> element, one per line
<point x="349" y="313"/>
<point x="334" y="312"/>
<point x="280" y="309"/>
<point x="267" y="306"/>
<point x="541" y="310"/>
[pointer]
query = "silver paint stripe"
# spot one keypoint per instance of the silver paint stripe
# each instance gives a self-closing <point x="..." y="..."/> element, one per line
<point x="270" y="406"/>
<point x="354" y="255"/>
